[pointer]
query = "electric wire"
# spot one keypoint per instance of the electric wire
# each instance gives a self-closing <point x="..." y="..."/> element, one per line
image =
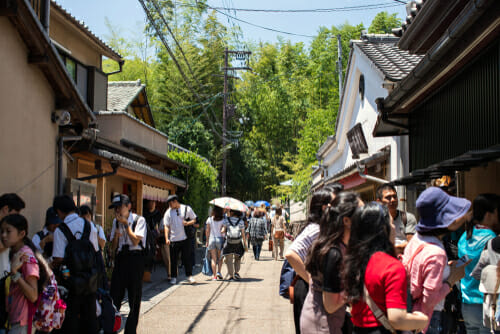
<point x="160" y="35"/>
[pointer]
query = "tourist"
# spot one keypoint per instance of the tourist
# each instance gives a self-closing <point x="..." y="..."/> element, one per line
<point x="324" y="307"/>
<point x="483" y="227"/>
<point x="235" y="245"/>
<point x="375" y="280"/>
<point x="278" y="234"/>
<point x="425" y="257"/>
<point x="215" y="240"/>
<point x="28" y="273"/>
<point x="257" y="230"/>
<point x="297" y="252"/>
<point x="44" y="239"/>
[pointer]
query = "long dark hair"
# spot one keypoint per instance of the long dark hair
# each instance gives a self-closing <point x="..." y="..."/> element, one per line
<point x="20" y="223"/>
<point x="370" y="233"/>
<point x="319" y="198"/>
<point x="217" y="213"/>
<point x="482" y="204"/>
<point x="331" y="230"/>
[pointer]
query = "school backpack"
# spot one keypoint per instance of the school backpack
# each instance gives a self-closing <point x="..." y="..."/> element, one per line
<point x="50" y="308"/>
<point x="107" y="315"/>
<point x="80" y="258"/>
<point x="233" y="233"/>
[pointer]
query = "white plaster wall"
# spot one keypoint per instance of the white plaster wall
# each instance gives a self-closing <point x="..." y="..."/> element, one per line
<point x="365" y="112"/>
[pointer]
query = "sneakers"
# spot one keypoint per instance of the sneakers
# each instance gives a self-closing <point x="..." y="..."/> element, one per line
<point x="173" y="281"/>
<point x="214" y="278"/>
<point x="237" y="276"/>
<point x="219" y="276"/>
<point x="191" y="280"/>
<point x="231" y="279"/>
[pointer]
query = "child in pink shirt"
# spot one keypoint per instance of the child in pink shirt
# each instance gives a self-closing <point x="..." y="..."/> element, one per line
<point x="25" y="273"/>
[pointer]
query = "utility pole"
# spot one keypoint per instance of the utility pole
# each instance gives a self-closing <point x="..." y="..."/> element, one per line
<point x="240" y="55"/>
<point x="339" y="63"/>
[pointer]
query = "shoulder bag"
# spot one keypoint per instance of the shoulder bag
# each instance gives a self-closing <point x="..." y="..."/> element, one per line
<point x="377" y="312"/>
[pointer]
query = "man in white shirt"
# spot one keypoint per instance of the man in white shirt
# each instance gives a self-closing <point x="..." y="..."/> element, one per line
<point x="81" y="309"/>
<point x="177" y="216"/>
<point x="128" y="235"/>
<point x="44" y="239"/>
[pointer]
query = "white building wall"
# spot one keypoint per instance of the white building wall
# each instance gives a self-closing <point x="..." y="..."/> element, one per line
<point x="354" y="110"/>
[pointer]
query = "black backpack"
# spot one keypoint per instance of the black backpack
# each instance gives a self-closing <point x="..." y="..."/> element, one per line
<point x="80" y="258"/>
<point x="47" y="250"/>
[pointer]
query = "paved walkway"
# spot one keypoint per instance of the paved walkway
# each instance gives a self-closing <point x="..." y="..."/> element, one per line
<point x="251" y="305"/>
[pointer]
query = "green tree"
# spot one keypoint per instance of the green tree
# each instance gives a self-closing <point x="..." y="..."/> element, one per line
<point x="202" y="182"/>
<point x="383" y="23"/>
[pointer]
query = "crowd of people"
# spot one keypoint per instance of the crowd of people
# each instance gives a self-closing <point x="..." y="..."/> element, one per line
<point x="368" y="268"/>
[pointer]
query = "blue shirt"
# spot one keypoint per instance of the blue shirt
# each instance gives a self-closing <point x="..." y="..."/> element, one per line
<point x="473" y="248"/>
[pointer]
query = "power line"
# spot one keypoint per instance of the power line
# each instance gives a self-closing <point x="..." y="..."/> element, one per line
<point x="170" y="52"/>
<point x="262" y="27"/>
<point x="316" y="10"/>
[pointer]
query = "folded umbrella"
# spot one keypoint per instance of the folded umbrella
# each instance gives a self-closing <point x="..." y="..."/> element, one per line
<point x="229" y="203"/>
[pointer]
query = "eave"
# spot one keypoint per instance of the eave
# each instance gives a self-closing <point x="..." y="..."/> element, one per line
<point x="43" y="54"/>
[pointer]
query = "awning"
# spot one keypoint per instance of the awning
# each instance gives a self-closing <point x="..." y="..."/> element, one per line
<point x="449" y="167"/>
<point x="153" y="193"/>
<point x="351" y="170"/>
<point x="139" y="167"/>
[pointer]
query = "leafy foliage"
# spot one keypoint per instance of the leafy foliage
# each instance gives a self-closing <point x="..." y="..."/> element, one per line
<point x="383" y="23"/>
<point x="286" y="106"/>
<point x="202" y="182"/>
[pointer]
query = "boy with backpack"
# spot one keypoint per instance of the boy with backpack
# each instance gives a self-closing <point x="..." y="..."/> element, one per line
<point x="74" y="250"/>
<point x="129" y="235"/>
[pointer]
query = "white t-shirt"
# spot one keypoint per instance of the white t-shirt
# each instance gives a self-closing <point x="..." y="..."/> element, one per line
<point x="173" y="219"/>
<point x="4" y="263"/>
<point x="215" y="227"/>
<point x="75" y="224"/>
<point x="100" y="232"/>
<point x="140" y="231"/>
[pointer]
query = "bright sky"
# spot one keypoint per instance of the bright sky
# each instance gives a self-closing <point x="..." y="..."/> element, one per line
<point x="129" y="18"/>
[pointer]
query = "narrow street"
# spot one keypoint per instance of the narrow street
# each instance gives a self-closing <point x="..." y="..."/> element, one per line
<point x="251" y="305"/>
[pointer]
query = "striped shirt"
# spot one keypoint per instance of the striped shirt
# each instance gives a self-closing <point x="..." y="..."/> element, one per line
<point x="304" y="240"/>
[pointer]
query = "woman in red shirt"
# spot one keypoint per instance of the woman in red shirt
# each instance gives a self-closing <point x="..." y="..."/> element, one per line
<point x="371" y="261"/>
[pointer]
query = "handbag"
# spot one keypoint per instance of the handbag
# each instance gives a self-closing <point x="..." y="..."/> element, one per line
<point x="270" y="245"/>
<point x="190" y="230"/>
<point x="377" y="312"/>
<point x="279" y="234"/>
<point x="207" y="266"/>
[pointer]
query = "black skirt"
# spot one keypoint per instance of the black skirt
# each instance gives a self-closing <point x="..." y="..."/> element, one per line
<point x="237" y="249"/>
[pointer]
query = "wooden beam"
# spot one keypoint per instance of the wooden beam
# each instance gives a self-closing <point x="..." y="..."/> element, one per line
<point x="38" y="59"/>
<point x="8" y="8"/>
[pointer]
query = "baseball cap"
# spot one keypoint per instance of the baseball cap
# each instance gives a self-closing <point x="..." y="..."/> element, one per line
<point x="51" y="217"/>
<point x="119" y="200"/>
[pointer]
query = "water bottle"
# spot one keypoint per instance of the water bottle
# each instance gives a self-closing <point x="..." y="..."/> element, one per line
<point x="65" y="272"/>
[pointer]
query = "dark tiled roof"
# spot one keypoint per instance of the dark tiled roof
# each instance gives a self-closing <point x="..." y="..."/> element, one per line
<point x="122" y="93"/>
<point x="382" y="50"/>
<point x="80" y="24"/>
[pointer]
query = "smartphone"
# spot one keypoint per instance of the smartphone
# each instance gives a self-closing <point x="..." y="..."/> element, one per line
<point x="462" y="261"/>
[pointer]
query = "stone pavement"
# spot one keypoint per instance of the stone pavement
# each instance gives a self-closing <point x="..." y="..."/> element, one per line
<point x="251" y="305"/>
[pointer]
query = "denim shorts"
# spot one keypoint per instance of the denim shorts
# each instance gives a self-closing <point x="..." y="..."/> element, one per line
<point x="216" y="243"/>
